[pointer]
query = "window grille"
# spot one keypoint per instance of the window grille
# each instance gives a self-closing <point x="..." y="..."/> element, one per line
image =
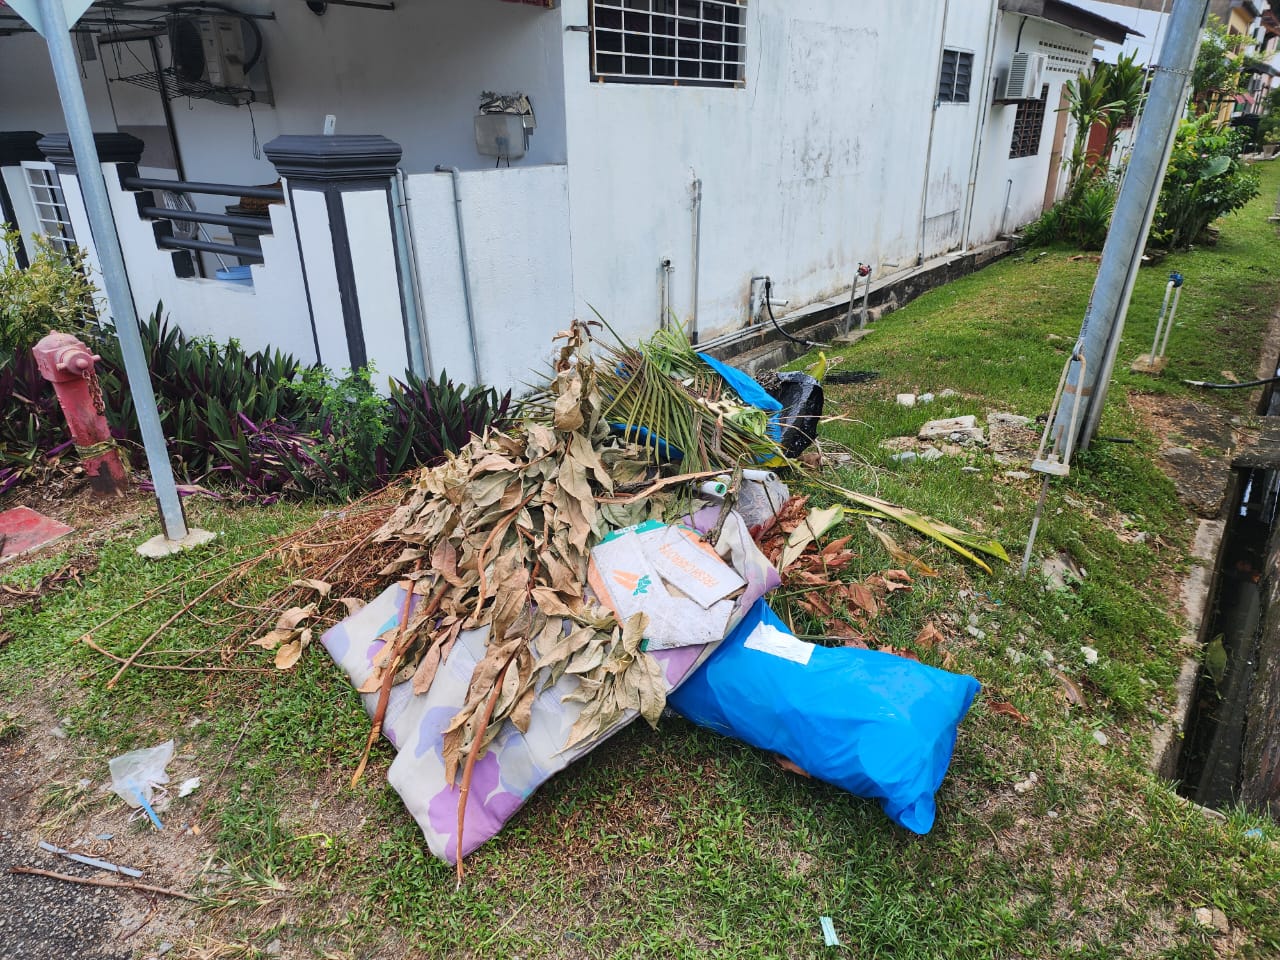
<point x="691" y="42"/>
<point x="45" y="191"/>
<point x="954" y="78"/>
<point x="1027" y="126"/>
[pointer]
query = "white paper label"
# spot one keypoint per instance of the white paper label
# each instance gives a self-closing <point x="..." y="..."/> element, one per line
<point x="769" y="639"/>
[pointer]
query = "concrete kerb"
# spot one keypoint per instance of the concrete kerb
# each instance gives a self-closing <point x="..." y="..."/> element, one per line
<point x="1196" y="598"/>
<point x="765" y="349"/>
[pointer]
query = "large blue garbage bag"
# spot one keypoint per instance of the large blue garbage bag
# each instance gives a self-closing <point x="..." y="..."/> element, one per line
<point x="874" y="724"/>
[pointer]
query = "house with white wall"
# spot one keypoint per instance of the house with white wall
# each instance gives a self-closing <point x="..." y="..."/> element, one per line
<point x="674" y="153"/>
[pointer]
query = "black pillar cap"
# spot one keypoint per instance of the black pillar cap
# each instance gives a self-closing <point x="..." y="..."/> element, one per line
<point x="333" y="160"/>
<point x="112" y="148"/>
<point x="17" y="146"/>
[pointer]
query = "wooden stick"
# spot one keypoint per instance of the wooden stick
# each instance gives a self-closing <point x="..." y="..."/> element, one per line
<point x="94" y="882"/>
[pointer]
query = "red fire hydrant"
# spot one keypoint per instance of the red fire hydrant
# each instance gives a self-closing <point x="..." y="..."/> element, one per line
<point x="68" y="364"/>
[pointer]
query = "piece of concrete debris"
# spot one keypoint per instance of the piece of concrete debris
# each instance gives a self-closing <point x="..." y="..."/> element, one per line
<point x="906" y="399"/>
<point x="948" y="393"/>
<point x="956" y="429"/>
<point x="931" y="453"/>
<point x="899" y="443"/>
<point x="925" y="398"/>
<point x="1061" y="571"/>
<point x="1212" y="919"/>
<point x="1100" y="738"/>
<point x="1017" y="475"/>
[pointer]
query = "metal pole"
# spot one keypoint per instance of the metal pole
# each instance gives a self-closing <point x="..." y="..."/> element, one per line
<point x="466" y="268"/>
<point x="111" y="259"/>
<point x="1135" y="207"/>
<point x="697" y="257"/>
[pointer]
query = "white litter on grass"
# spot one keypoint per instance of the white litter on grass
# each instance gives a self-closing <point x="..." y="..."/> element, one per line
<point x="1090" y="655"/>
<point x="829" y="932"/>
<point x="188" y="787"/>
<point x="1100" y="738"/>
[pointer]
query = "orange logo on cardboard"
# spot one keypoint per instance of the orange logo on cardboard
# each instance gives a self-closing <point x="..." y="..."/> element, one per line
<point x="635" y="583"/>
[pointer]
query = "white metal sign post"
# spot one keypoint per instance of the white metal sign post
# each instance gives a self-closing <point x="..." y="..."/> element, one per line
<point x="52" y="19"/>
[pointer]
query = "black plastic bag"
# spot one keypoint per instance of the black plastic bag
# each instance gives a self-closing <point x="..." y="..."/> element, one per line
<point x="802" y="400"/>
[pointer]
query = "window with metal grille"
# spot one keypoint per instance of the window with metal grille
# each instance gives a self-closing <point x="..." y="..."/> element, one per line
<point x="954" y="77"/>
<point x="51" y="209"/>
<point x="691" y="42"/>
<point x="1027" y="126"/>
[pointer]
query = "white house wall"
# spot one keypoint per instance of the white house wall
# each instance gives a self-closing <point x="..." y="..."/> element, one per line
<point x="1023" y="180"/>
<point x="516" y="223"/>
<point x="819" y="162"/>
<point x="414" y="74"/>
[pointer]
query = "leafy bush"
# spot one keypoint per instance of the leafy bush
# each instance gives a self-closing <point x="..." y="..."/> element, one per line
<point x="52" y="292"/>
<point x="201" y="388"/>
<point x="429" y="418"/>
<point x="1082" y="218"/>
<point x="1087" y="218"/>
<point x="257" y="420"/>
<point x="1206" y="179"/>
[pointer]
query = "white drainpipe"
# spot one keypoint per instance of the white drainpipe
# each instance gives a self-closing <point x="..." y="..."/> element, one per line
<point x="466" y="270"/>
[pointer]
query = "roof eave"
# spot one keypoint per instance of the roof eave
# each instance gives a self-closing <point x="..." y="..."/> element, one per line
<point x="1068" y="15"/>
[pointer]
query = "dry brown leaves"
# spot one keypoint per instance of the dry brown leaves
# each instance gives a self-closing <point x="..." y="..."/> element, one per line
<point x="503" y="530"/>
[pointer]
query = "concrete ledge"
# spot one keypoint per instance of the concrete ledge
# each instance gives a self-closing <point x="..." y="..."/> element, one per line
<point x="761" y="347"/>
<point x="1166" y="742"/>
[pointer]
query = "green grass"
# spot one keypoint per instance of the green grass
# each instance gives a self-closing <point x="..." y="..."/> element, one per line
<point x="683" y="844"/>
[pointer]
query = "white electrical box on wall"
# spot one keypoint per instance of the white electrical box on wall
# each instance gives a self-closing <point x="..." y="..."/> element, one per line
<point x="500" y="135"/>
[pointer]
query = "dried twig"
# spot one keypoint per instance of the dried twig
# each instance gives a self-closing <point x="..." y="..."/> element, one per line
<point x="95" y="882"/>
<point x="179" y="668"/>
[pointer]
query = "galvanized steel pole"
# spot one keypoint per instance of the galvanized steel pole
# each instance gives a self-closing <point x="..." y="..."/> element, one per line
<point x="111" y="259"/>
<point x="1130" y="223"/>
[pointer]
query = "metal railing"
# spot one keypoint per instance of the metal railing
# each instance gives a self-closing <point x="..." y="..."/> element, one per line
<point x="166" y="216"/>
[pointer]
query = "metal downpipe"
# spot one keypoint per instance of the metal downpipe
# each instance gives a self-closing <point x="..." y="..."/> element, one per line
<point x="466" y="269"/>
<point x="410" y="280"/>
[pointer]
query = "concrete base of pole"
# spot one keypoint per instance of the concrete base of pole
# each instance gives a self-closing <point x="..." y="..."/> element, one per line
<point x="161" y="546"/>
<point x="1149" y="364"/>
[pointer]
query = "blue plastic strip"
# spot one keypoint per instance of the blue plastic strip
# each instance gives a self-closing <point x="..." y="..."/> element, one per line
<point x="748" y="391"/>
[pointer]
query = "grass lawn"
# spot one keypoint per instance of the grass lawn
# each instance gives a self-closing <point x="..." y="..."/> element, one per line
<point x="681" y="843"/>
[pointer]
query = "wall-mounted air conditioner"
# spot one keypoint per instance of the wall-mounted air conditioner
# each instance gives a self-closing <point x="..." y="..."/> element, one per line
<point x="209" y="49"/>
<point x="1024" y="77"/>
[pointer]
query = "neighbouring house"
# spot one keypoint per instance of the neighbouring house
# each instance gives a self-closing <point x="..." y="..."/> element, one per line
<point x="649" y="159"/>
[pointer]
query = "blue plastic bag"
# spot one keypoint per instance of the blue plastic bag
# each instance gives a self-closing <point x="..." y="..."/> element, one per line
<point x="874" y="724"/>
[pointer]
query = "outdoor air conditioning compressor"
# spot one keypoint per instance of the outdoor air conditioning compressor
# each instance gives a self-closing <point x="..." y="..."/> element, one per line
<point x="1024" y="77"/>
<point x="209" y="49"/>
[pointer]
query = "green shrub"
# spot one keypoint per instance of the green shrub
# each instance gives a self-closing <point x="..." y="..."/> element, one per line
<point x="52" y="292"/>
<point x="1081" y="218"/>
<point x="1206" y="179"/>
<point x="1087" y="218"/>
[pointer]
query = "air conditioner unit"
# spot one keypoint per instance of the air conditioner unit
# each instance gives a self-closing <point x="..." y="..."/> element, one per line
<point x="208" y="50"/>
<point x="1024" y="77"/>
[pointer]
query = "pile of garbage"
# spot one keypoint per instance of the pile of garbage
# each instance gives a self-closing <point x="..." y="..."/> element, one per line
<point x="603" y="562"/>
